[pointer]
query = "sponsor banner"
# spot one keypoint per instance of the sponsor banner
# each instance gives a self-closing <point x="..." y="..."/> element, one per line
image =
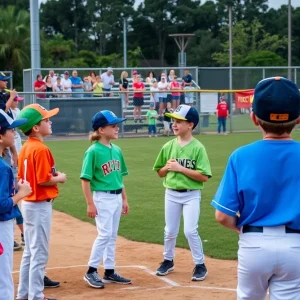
<point x="244" y="99"/>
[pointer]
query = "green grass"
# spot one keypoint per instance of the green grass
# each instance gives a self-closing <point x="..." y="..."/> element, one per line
<point x="145" y="221"/>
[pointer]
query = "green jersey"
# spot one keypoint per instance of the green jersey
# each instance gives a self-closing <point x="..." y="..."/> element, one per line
<point x="104" y="167"/>
<point x="151" y="114"/>
<point x="192" y="156"/>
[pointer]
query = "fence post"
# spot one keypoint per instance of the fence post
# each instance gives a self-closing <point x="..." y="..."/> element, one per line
<point x="263" y="73"/>
<point x="295" y="75"/>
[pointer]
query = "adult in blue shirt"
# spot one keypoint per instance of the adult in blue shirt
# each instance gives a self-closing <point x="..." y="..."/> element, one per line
<point x="77" y="85"/>
<point x="259" y="197"/>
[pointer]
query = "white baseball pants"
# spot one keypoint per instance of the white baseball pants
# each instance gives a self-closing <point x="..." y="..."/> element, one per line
<point x="37" y="226"/>
<point x="269" y="260"/>
<point x="6" y="259"/>
<point x="189" y="204"/>
<point x="109" y="209"/>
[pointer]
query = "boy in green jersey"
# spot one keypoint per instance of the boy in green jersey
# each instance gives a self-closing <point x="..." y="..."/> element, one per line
<point x="184" y="165"/>
<point x="152" y="116"/>
<point x="102" y="184"/>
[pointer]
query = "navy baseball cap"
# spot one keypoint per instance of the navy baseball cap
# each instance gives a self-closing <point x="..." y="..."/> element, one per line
<point x="104" y="118"/>
<point x="276" y="100"/>
<point x="3" y="77"/>
<point x="185" y="113"/>
<point x="6" y="122"/>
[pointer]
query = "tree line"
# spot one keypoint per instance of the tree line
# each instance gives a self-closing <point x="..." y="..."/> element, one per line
<point x="89" y="33"/>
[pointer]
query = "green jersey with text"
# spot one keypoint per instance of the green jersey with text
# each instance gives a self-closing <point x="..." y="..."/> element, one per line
<point x="192" y="156"/>
<point x="104" y="167"/>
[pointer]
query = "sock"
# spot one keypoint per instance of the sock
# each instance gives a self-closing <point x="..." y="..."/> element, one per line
<point x="109" y="272"/>
<point x="91" y="270"/>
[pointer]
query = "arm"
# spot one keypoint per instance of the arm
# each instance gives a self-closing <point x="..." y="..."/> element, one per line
<point x="14" y="155"/>
<point x="86" y="188"/>
<point x="163" y="171"/>
<point x="54" y="180"/>
<point x="125" y="205"/>
<point x="226" y="220"/>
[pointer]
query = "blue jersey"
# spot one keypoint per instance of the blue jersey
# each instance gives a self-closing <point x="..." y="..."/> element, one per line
<point x="262" y="183"/>
<point x="7" y="209"/>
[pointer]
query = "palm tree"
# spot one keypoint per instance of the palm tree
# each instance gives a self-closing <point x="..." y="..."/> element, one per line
<point x="14" y="39"/>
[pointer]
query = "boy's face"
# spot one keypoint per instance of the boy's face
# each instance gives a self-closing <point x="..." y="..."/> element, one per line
<point x="151" y="107"/>
<point x="8" y="138"/>
<point x="44" y="128"/>
<point x="110" y="131"/>
<point x="181" y="127"/>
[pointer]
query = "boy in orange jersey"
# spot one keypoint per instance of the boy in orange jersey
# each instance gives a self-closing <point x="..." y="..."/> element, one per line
<point x="36" y="165"/>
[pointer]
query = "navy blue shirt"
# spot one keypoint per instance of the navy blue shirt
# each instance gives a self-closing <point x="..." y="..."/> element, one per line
<point x="7" y="209"/>
<point x="187" y="78"/>
<point x="262" y="183"/>
<point x="3" y="99"/>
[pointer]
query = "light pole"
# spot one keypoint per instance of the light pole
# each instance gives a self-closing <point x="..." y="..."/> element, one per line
<point x="230" y="59"/>
<point x="125" y="41"/>
<point x="289" y="39"/>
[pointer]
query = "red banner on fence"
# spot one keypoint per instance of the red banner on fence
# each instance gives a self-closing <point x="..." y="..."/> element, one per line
<point x="244" y="99"/>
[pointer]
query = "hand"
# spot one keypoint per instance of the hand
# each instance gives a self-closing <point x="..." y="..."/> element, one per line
<point x="62" y="177"/>
<point x="173" y="165"/>
<point x="125" y="207"/>
<point x="14" y="159"/>
<point x="24" y="188"/>
<point x="13" y="93"/>
<point x="91" y="210"/>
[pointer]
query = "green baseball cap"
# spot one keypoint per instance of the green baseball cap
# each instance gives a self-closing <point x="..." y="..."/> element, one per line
<point x="34" y="113"/>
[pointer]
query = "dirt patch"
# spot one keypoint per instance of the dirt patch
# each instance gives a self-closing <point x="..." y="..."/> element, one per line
<point x="71" y="242"/>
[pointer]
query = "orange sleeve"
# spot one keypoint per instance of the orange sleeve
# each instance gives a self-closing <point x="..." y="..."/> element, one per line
<point x="44" y="164"/>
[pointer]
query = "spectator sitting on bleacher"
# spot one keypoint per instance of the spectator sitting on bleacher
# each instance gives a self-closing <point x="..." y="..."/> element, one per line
<point x="87" y="86"/>
<point x="66" y="84"/>
<point x="57" y="87"/>
<point x="171" y="76"/>
<point x="92" y="77"/>
<point x="77" y="85"/>
<point x="154" y="97"/>
<point x="49" y="87"/>
<point x="163" y="97"/>
<point x="150" y="78"/>
<point x="52" y="76"/>
<point x="40" y="86"/>
<point x="108" y="81"/>
<point x="138" y="99"/>
<point x="98" y="87"/>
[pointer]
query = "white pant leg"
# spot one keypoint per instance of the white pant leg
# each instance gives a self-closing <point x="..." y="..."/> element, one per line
<point x="107" y="205"/>
<point x="191" y="214"/>
<point x="173" y="212"/>
<point x="37" y="226"/>
<point x="6" y="260"/>
<point x="110" y="251"/>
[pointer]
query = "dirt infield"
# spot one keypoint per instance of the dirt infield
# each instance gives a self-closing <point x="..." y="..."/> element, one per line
<point x="71" y="242"/>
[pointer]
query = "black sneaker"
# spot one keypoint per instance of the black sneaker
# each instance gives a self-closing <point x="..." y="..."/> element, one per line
<point x="48" y="283"/>
<point x="17" y="246"/>
<point x="22" y="239"/>
<point x="199" y="273"/>
<point x="93" y="280"/>
<point x="165" y="268"/>
<point x="116" y="278"/>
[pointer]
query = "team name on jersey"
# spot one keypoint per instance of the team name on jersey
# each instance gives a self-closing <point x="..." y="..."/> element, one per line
<point x="187" y="163"/>
<point x="110" y="166"/>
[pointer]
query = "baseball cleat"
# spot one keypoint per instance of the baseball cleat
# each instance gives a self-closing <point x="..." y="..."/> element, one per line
<point x="199" y="272"/>
<point x="93" y="280"/>
<point x="48" y="283"/>
<point x="165" y="268"/>
<point x="116" y="278"/>
<point x="17" y="246"/>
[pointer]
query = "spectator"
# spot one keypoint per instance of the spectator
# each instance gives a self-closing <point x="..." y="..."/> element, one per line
<point x="161" y="75"/>
<point x="98" y="87"/>
<point x="187" y="82"/>
<point x="163" y="97"/>
<point x="77" y="84"/>
<point x="40" y="86"/>
<point x="222" y="115"/>
<point x="108" y="81"/>
<point x="171" y="76"/>
<point x="87" y="86"/>
<point x="57" y="87"/>
<point x="152" y="116"/>
<point x="154" y="97"/>
<point x="150" y="78"/>
<point x="49" y="87"/>
<point x="92" y="77"/>
<point x="52" y="76"/>
<point x="123" y="84"/>
<point x="138" y="99"/>
<point x="175" y="85"/>
<point x="66" y="84"/>
<point x="134" y="76"/>
<point x="167" y="120"/>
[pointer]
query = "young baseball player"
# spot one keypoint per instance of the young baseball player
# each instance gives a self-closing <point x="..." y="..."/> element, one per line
<point x="37" y="166"/>
<point x="102" y="184"/>
<point x="8" y="202"/>
<point x="184" y="165"/>
<point x="152" y="116"/>
<point x="264" y="190"/>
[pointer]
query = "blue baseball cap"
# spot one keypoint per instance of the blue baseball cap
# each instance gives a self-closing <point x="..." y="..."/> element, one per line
<point x="3" y="77"/>
<point x="185" y="113"/>
<point x="276" y="100"/>
<point x="104" y="118"/>
<point x="6" y="122"/>
<point x="151" y="104"/>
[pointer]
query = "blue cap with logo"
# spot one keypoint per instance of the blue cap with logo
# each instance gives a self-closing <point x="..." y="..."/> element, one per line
<point x="104" y="118"/>
<point x="3" y="77"/>
<point x="6" y="122"/>
<point x="276" y="100"/>
<point x="185" y="113"/>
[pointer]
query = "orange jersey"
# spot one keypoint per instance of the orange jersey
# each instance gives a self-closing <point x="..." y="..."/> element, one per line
<point x="40" y="169"/>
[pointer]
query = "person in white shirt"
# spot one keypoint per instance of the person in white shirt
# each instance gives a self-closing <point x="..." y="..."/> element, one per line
<point x="154" y="94"/>
<point x="108" y="81"/>
<point x="66" y="84"/>
<point x="163" y="97"/>
<point x="52" y="76"/>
